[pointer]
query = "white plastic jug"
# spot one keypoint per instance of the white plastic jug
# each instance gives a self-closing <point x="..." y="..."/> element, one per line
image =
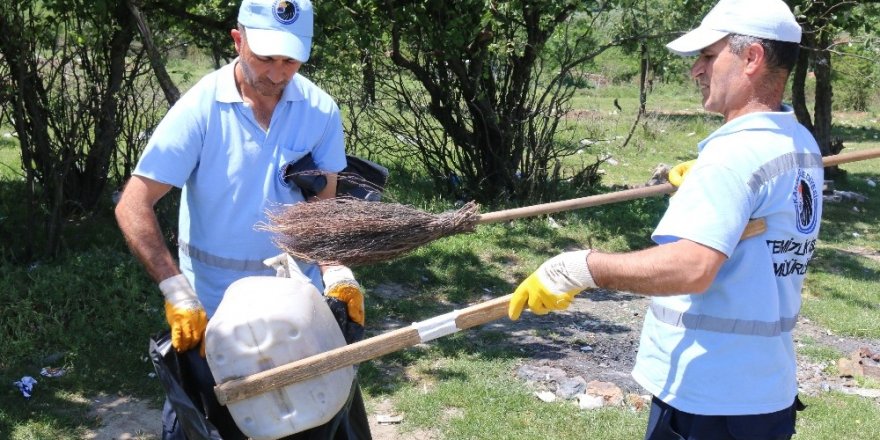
<point x="264" y="322"/>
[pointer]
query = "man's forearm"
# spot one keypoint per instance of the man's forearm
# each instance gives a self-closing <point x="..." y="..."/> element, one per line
<point x="144" y="237"/>
<point x="137" y="220"/>
<point x="671" y="269"/>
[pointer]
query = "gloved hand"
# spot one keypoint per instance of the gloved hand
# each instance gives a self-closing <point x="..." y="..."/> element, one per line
<point x="346" y="300"/>
<point x="553" y="286"/>
<point x="339" y="283"/>
<point x="184" y="313"/>
<point x="678" y="172"/>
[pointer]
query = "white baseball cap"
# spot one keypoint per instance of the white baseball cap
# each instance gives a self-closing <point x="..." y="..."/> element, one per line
<point x="278" y="27"/>
<point x="767" y="19"/>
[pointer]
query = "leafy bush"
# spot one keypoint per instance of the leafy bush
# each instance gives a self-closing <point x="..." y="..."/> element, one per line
<point x="855" y="79"/>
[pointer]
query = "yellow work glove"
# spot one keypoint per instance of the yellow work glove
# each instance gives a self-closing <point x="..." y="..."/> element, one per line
<point x="184" y="313"/>
<point x="553" y="286"/>
<point x="678" y="172"/>
<point x="339" y="283"/>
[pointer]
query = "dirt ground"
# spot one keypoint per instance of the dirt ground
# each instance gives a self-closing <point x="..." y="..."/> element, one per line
<point x="596" y="339"/>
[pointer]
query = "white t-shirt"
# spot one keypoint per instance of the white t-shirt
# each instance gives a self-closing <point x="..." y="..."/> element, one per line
<point x="729" y="351"/>
<point x="211" y="145"/>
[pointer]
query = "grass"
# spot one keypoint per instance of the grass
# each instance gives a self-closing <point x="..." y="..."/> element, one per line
<point x="91" y="310"/>
<point x="475" y="399"/>
<point x="817" y="352"/>
<point x="10" y="157"/>
<point x="836" y="415"/>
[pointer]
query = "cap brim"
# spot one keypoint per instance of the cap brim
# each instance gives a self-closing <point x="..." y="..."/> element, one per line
<point x="693" y="42"/>
<point x="272" y="43"/>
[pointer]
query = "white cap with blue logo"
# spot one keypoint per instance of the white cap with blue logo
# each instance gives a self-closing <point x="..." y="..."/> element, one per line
<point x="278" y="27"/>
<point x="767" y="19"/>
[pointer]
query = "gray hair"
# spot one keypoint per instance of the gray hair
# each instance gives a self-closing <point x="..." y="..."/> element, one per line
<point x="780" y="55"/>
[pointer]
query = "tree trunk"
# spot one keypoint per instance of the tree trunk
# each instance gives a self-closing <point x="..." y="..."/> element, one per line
<point x="799" y="82"/>
<point x="172" y="93"/>
<point x="94" y="178"/>
<point x="368" y="72"/>
<point x="29" y="118"/>
<point x="822" y="110"/>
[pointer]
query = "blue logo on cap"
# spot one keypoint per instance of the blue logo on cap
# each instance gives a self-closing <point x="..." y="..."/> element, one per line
<point x="285" y="12"/>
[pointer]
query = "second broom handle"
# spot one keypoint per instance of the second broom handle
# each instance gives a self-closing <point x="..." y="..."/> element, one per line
<point x="635" y="193"/>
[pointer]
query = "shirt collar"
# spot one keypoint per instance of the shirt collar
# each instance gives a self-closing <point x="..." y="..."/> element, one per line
<point x="772" y="121"/>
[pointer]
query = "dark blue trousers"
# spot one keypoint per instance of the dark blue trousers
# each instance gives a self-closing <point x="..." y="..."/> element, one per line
<point x="668" y="423"/>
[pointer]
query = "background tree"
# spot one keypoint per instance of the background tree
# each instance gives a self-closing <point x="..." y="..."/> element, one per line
<point x="824" y="23"/>
<point x="471" y="88"/>
<point x="69" y="65"/>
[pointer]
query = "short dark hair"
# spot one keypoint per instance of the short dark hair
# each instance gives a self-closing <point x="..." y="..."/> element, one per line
<point x="781" y="55"/>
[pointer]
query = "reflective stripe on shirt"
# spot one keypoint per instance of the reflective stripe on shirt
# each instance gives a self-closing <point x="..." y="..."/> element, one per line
<point x="781" y="165"/>
<point x="218" y="261"/>
<point x="748" y="327"/>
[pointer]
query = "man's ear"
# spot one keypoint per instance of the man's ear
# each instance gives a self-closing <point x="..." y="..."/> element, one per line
<point x="754" y="57"/>
<point x="236" y="38"/>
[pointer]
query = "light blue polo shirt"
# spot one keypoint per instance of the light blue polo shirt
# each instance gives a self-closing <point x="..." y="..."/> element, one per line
<point x="210" y="145"/>
<point x="729" y="351"/>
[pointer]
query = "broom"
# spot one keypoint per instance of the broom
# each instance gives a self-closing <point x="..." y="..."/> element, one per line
<point x="355" y="232"/>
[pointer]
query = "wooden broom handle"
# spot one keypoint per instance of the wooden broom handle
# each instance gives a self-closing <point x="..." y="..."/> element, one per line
<point x="283" y="375"/>
<point x="239" y="389"/>
<point x="632" y="194"/>
<point x="385" y="343"/>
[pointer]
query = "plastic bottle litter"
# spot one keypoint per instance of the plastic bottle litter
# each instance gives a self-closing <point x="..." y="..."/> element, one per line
<point x="52" y="372"/>
<point x="26" y="386"/>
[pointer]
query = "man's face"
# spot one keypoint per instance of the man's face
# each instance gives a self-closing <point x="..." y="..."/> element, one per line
<point x="719" y="73"/>
<point x="267" y="75"/>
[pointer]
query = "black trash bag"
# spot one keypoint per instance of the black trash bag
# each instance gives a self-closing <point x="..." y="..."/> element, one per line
<point x="181" y="397"/>
<point x="187" y="380"/>
<point x="361" y="178"/>
<point x="352" y="331"/>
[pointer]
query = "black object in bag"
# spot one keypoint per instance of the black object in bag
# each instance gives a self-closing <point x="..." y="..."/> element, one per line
<point x="170" y="371"/>
<point x="361" y="178"/>
<point x="189" y="388"/>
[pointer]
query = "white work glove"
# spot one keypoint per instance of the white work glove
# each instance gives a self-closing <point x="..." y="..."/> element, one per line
<point x="553" y="286"/>
<point x="184" y="313"/>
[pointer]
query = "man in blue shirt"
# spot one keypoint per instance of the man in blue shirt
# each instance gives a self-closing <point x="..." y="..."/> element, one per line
<point x="716" y="348"/>
<point x="225" y="143"/>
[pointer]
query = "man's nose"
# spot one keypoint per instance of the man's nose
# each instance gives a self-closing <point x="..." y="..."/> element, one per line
<point x="696" y="69"/>
<point x="276" y="72"/>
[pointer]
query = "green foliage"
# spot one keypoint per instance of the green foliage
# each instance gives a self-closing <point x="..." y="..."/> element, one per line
<point x="474" y="91"/>
<point x="10" y="163"/>
<point x="77" y="99"/>
<point x="856" y="76"/>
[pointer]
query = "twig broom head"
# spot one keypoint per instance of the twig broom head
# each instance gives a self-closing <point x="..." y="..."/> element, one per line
<point x="355" y="232"/>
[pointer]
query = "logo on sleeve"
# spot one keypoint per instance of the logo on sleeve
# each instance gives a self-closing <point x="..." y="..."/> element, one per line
<point x="806" y="203"/>
<point x="285" y="12"/>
